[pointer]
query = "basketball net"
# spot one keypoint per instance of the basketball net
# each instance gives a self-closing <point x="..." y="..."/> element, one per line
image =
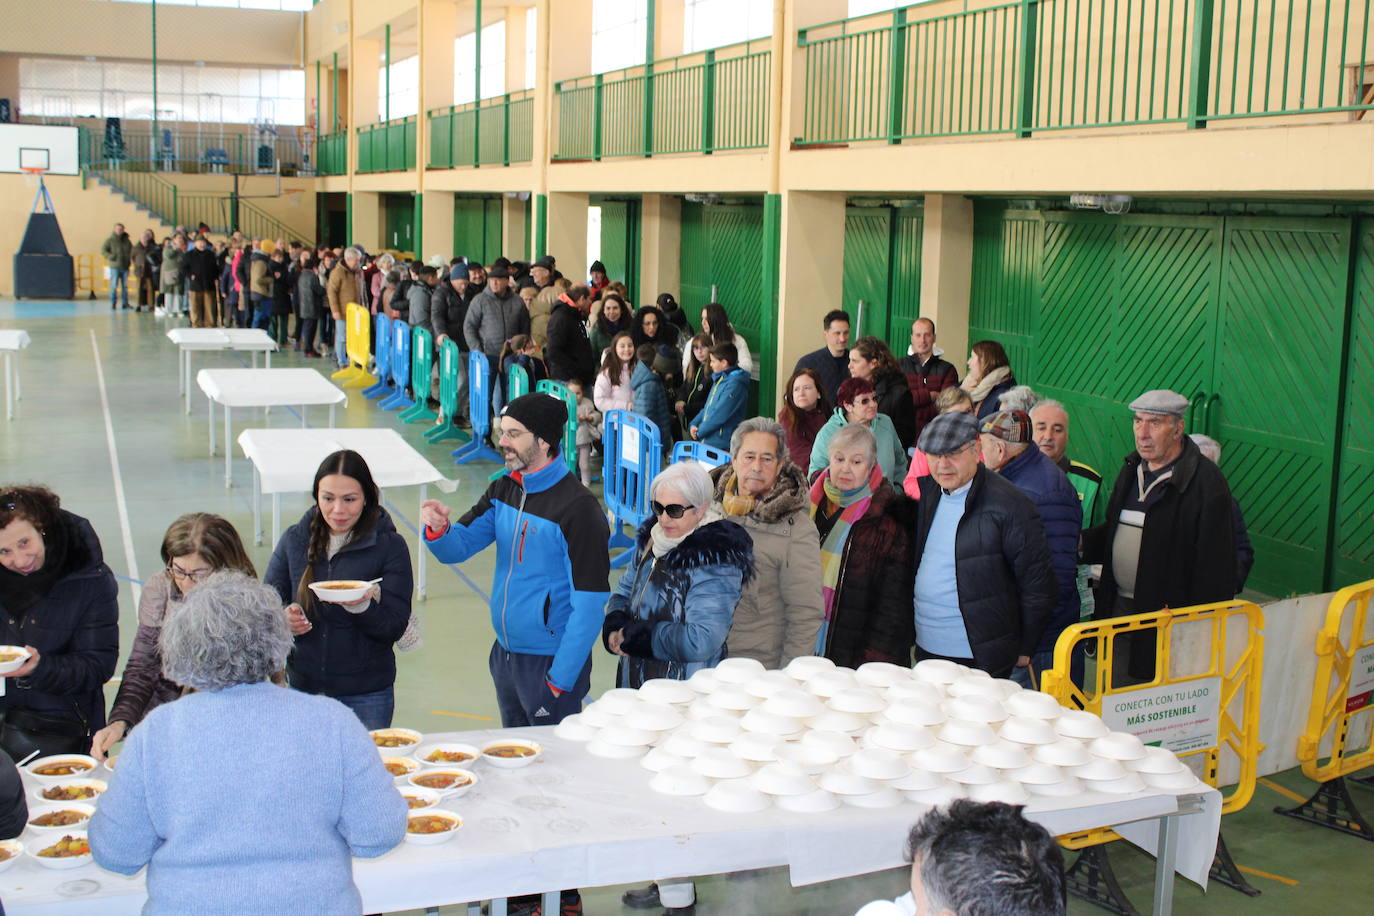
<point x="33" y="177"/>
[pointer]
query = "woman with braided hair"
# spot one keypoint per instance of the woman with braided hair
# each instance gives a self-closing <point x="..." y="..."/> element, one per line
<point x="344" y="649"/>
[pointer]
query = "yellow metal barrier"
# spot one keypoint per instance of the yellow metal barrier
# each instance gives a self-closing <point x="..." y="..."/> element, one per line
<point x="1203" y="703"/>
<point x="1340" y="716"/>
<point x="89" y="270"/>
<point x="357" y="345"/>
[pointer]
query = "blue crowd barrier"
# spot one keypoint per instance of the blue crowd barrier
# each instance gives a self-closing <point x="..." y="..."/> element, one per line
<point x="399" y="345"/>
<point x="633" y="458"/>
<point x="381" y="331"/>
<point x="479" y="412"/>
<point x="700" y="451"/>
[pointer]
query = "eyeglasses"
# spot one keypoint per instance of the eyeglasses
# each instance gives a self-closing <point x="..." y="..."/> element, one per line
<point x="865" y="399"/>
<point x="673" y="510"/>
<point x="188" y="575"/>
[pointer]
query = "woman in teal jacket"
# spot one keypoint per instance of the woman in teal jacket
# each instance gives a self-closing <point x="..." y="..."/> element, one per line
<point x="858" y="403"/>
<point x="726" y="404"/>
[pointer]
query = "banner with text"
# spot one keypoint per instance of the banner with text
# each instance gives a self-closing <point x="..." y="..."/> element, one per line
<point x="1179" y="717"/>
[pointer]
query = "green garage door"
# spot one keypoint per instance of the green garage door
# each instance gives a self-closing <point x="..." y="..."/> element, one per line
<point x="882" y="269"/>
<point x="399" y="225"/>
<point x="722" y="246"/>
<point x="620" y="247"/>
<point x="477" y="228"/>
<point x="1094" y="309"/>
<point x="1353" y="556"/>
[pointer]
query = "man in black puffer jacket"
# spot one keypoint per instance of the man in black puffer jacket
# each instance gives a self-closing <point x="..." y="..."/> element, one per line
<point x="984" y="586"/>
<point x="569" y="352"/>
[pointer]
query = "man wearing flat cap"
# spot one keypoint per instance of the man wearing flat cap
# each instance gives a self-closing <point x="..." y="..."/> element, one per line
<point x="984" y="589"/>
<point x="1168" y="540"/>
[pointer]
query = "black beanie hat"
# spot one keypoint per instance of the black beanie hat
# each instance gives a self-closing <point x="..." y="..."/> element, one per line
<point x="542" y="414"/>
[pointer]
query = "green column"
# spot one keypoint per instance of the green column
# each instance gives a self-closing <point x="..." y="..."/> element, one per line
<point x="386" y="105"/>
<point x="417" y="214"/>
<point x="648" y="116"/>
<point x="1026" y="78"/>
<point x="348" y="219"/>
<point x="477" y="85"/>
<point x="1200" y="65"/>
<point x="541" y="225"/>
<point x="154" y="144"/>
<point x="334" y="96"/>
<point x="896" y="78"/>
<point x="768" y="308"/>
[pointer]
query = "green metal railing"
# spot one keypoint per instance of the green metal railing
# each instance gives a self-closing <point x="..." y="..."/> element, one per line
<point x="495" y="131"/>
<point x="138" y="149"/>
<point x="697" y="103"/>
<point x="1036" y="65"/>
<point x="388" y="146"/>
<point x="221" y="212"/>
<point x="331" y="154"/>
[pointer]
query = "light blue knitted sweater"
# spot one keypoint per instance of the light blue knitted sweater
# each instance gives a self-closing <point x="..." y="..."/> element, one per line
<point x="245" y="801"/>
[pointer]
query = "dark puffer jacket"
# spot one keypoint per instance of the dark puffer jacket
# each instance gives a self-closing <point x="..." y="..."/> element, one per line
<point x="1006" y="586"/>
<point x="75" y="629"/>
<point x="873" y="619"/>
<point x="894" y="401"/>
<point x="1062" y="515"/>
<point x="447" y="309"/>
<point x="346" y="653"/>
<point x="568" y="351"/>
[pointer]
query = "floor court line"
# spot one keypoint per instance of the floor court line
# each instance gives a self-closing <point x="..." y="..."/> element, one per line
<point x="121" y="502"/>
<point x="461" y="715"/>
<point x="1264" y="874"/>
<point x="1285" y="792"/>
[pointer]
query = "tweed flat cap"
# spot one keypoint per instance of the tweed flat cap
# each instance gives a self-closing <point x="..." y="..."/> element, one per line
<point x="1008" y="425"/>
<point x="948" y="433"/>
<point x="1161" y="400"/>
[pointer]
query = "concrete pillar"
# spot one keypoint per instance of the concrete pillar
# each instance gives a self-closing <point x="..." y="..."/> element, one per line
<point x="436" y="53"/>
<point x="515" y="48"/>
<point x="670" y="37"/>
<point x="513" y="228"/>
<point x="660" y="267"/>
<point x="367" y="220"/>
<point x="567" y="222"/>
<point x="571" y="21"/>
<point x="811" y="284"/>
<point x="364" y="72"/>
<point x="436" y="223"/>
<point x="947" y="271"/>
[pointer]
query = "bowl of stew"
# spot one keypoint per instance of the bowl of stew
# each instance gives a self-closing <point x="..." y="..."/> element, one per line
<point x="337" y="590"/>
<point x="396" y="742"/>
<point x="449" y="782"/>
<point x="400" y="768"/>
<point x="12" y="658"/>
<point x="10" y="851"/>
<point x="62" y="818"/>
<point x="71" y="790"/>
<point x="418" y="799"/>
<point x="512" y="753"/>
<point x="447" y="754"/>
<point x="70" y="850"/>
<point x="432" y="826"/>
<point x="61" y="768"/>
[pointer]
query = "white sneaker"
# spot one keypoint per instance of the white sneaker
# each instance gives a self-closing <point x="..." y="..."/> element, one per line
<point x="160" y="312"/>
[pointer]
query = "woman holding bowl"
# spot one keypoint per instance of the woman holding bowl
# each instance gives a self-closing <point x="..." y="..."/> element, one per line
<point x="194" y="547"/>
<point x="59" y="601"/>
<point x="244" y="797"/>
<point x="344" y="648"/>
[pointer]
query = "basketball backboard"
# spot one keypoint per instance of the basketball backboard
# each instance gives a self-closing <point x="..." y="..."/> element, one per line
<point x="29" y="147"/>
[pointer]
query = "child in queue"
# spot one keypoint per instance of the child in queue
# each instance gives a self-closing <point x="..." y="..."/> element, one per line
<point x="588" y="429"/>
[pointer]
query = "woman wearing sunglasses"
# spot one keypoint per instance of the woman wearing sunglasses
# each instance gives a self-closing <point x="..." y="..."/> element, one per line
<point x="858" y="403"/>
<point x="194" y="547"/>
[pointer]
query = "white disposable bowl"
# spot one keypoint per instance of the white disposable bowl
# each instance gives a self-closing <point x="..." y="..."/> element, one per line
<point x="409" y="736"/>
<point x="1118" y="746"/>
<point x="967" y="734"/>
<point x="353" y="590"/>
<point x="940" y="758"/>
<point x="1100" y="768"/>
<point x="1179" y="779"/>
<point x="976" y="708"/>
<point x="884" y="797"/>
<point x="679" y="780"/>
<point x="838" y="743"/>
<point x="1024" y="730"/>
<point x="813" y="802"/>
<point x="903" y="738"/>
<point x="701" y="708"/>
<point x="597" y="716"/>
<point x="917" y="780"/>
<point x="771" y="682"/>
<point x="86" y="766"/>
<point x="1001" y="791"/>
<point x="735" y="797"/>
<point x="598" y="747"/>
<point x="1002" y="755"/>
<point x="703" y="681"/>
<point x="575" y="728"/>
<point x="1037" y="774"/>
<point x="410" y="764"/>
<point x="468" y="752"/>
<point x="935" y="796"/>
<point x="975" y="774"/>
<point x="660" y="758"/>
<point x="810" y="758"/>
<point x="828" y="683"/>
<point x="1066" y="752"/>
<point x="429" y="797"/>
<point x="434" y="839"/>
<point x="974" y="686"/>
<point x="99" y="785"/>
<point x="1067" y="787"/>
<point x="938" y="671"/>
<point x="618" y="700"/>
<point x="654" y="717"/>
<point x="665" y="690"/>
<point x="767" y="723"/>
<point x="909" y="712"/>
<point x="1078" y="723"/>
<point x="756" y="747"/>
<point x="457" y="790"/>
<point x="716" y="729"/>
<point x="914" y="692"/>
<point x="858" y="700"/>
<point x="878" y="763"/>
<point x="832" y="720"/>
<point x="794" y="703"/>
<point x="14" y="665"/>
<point x="13" y="850"/>
<point x="1125" y="784"/>
<point x="882" y="674"/>
<point x="40" y="810"/>
<point x="782" y="779"/>
<point x="738" y="670"/>
<point x="805" y="667"/>
<point x="627" y="736"/>
<point x="847" y="782"/>
<point x="1157" y="760"/>
<point x="41" y="843"/>
<point x="720" y="763"/>
<point x="1032" y="704"/>
<point x="512" y="763"/>
<point x="684" y="744"/>
<point x="732" y="696"/>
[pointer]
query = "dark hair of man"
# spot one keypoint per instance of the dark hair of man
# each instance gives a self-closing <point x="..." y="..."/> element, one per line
<point x="578" y="292"/>
<point x="986" y="859"/>
<point x="834" y="315"/>
<point x="426" y="272"/>
<point x="726" y="352"/>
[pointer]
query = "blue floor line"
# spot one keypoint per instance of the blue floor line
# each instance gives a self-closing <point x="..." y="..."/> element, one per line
<point x="138" y="582"/>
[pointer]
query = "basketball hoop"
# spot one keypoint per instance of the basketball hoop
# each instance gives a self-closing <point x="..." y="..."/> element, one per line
<point x="33" y="177"/>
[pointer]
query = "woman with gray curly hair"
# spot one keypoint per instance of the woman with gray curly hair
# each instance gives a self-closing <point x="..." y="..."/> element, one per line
<point x="244" y="797"/>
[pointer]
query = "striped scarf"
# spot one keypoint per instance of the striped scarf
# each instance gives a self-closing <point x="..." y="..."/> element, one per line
<point x="851" y="505"/>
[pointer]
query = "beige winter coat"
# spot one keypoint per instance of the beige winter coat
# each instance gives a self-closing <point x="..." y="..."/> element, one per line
<point x="780" y="611"/>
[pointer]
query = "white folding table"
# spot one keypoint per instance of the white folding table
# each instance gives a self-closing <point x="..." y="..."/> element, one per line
<point x="575" y="820"/>
<point x="285" y="460"/>
<point x="254" y="340"/>
<point x="232" y="388"/>
<point x="11" y="342"/>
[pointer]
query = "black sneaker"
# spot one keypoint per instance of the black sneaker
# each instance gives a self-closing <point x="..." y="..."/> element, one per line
<point x="642" y="898"/>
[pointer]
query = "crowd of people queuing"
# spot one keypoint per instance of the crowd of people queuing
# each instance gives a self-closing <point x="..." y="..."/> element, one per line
<point x="893" y="512"/>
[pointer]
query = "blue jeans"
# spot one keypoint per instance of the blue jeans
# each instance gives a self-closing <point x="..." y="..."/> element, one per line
<point x="119" y="282"/>
<point x="262" y="311"/>
<point x="374" y="709"/>
<point x="522" y="690"/>
<point x="340" y="344"/>
<point x="1044" y="661"/>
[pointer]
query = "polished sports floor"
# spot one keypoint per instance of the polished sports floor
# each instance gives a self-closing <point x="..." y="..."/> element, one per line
<point x="102" y="423"/>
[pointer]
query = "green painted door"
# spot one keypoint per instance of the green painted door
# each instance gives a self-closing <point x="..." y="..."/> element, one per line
<point x="1277" y="388"/>
<point x="882" y="270"/>
<point x="722" y="246"/>
<point x="620" y="246"/>
<point x="477" y="228"/>
<point x="1352" y="558"/>
<point x="399" y="224"/>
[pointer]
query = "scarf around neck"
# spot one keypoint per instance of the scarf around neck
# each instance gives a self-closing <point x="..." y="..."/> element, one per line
<point x="733" y="501"/>
<point x="979" y="392"/>
<point x="661" y="543"/>
<point x="852" y="504"/>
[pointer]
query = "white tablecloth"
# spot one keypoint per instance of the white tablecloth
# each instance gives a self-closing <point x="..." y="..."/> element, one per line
<point x="268" y="387"/>
<point x="14" y="340"/>
<point x="574" y="820"/>
<point x="11" y="342"/>
<point x="221" y="339"/>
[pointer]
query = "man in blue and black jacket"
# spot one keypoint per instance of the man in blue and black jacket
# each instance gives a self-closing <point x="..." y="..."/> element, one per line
<point x="552" y="577"/>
